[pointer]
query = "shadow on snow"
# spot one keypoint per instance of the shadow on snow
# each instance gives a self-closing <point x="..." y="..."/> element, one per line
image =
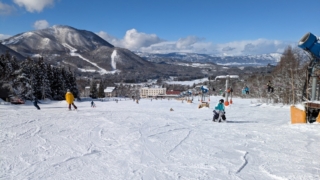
<point x="242" y="121"/>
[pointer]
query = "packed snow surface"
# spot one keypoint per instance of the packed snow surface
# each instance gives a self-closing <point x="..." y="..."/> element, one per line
<point x="145" y="140"/>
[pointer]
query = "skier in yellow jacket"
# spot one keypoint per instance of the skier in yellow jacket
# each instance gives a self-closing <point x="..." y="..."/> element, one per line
<point x="70" y="99"/>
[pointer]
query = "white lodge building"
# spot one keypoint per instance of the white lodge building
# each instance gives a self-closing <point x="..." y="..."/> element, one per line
<point x="151" y="92"/>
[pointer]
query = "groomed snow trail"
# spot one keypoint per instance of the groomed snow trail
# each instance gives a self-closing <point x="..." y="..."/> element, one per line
<point x="73" y="53"/>
<point x="126" y="140"/>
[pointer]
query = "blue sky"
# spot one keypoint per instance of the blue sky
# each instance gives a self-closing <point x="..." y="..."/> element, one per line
<point x="229" y="27"/>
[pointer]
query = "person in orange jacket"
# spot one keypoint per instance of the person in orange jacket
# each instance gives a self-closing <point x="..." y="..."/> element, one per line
<point x="70" y="99"/>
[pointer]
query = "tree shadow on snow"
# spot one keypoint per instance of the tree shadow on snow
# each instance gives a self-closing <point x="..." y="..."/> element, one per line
<point x="53" y="107"/>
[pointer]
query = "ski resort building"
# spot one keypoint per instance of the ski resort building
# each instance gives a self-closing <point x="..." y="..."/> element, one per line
<point x="173" y="93"/>
<point x="86" y="92"/>
<point x="152" y="92"/>
<point x="108" y="92"/>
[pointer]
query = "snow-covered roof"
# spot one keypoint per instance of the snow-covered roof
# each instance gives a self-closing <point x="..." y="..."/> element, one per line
<point x="108" y="89"/>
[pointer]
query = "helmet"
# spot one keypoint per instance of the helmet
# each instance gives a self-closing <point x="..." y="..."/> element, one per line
<point x="221" y="101"/>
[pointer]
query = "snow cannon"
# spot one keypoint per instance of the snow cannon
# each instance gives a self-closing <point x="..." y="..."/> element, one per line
<point x="203" y="103"/>
<point x="308" y="112"/>
<point x="311" y="44"/>
<point x="310" y="108"/>
<point x="204" y="89"/>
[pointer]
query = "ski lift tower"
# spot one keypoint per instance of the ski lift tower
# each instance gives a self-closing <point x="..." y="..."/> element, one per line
<point x="311" y="44"/>
<point x="227" y="78"/>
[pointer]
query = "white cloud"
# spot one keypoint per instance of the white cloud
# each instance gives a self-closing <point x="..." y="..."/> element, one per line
<point x="6" y="9"/>
<point x="186" y="45"/>
<point x="187" y="42"/>
<point x="135" y="40"/>
<point x="252" y="47"/>
<point x="112" y="40"/>
<point x="34" y="5"/>
<point x="138" y="41"/>
<point x="41" y="24"/>
<point x="3" y="36"/>
<point x="132" y="40"/>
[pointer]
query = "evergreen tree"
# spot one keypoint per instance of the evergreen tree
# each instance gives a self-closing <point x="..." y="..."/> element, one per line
<point x="50" y="76"/>
<point x="30" y="79"/>
<point x="45" y="81"/>
<point x="73" y="85"/>
<point x="93" y="90"/>
<point x="9" y="69"/>
<point x="58" y="88"/>
<point x="101" y="90"/>
<point x="41" y="83"/>
<point x="8" y="66"/>
<point x="26" y="78"/>
<point x="67" y="79"/>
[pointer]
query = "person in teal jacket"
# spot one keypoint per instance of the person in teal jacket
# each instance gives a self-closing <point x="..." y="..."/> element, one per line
<point x="219" y="111"/>
<point x="246" y="89"/>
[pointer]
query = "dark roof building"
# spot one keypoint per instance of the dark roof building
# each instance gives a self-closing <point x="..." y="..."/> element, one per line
<point x="172" y="92"/>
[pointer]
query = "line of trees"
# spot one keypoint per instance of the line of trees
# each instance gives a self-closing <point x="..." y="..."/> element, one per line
<point x="35" y="78"/>
<point x="288" y="78"/>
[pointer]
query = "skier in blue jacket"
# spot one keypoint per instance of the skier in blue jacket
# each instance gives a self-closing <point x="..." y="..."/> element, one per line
<point x="246" y="89"/>
<point x="219" y="111"/>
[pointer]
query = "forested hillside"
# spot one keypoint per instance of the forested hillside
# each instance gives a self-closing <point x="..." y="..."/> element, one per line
<point x="35" y="78"/>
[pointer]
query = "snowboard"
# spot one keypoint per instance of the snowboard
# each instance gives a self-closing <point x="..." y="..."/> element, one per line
<point x="219" y="121"/>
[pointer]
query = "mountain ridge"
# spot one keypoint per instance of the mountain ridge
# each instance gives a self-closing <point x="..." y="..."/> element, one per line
<point x="4" y="49"/>
<point x="248" y="60"/>
<point x="78" y="48"/>
<point x="91" y="56"/>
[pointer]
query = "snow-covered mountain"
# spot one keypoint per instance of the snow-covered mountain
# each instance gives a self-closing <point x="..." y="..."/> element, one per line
<point x="4" y="49"/>
<point x="53" y="39"/>
<point x="250" y="60"/>
<point x="90" y="55"/>
<point x="81" y="49"/>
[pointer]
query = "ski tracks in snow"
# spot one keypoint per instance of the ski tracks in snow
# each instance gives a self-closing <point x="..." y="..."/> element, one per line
<point x="147" y="141"/>
<point x="186" y="137"/>
<point x="245" y="162"/>
<point x="264" y="168"/>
